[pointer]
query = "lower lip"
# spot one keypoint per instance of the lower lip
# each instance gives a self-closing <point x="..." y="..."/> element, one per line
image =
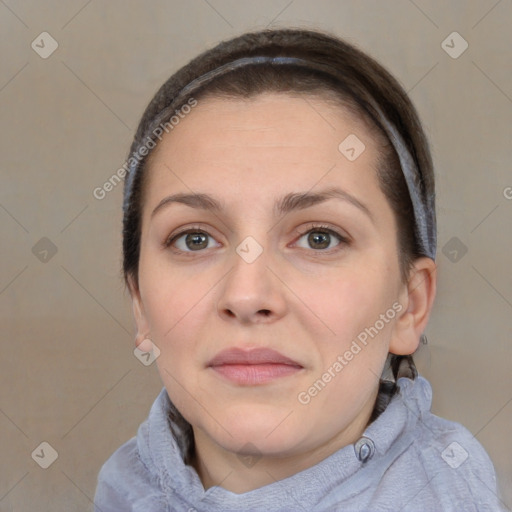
<point x="253" y="374"/>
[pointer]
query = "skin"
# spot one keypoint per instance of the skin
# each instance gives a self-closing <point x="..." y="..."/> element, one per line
<point x="308" y="303"/>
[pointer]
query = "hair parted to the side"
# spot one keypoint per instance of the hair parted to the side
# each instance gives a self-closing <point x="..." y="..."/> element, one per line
<point x="358" y="77"/>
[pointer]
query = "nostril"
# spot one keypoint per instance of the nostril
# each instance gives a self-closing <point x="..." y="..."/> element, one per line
<point x="265" y="312"/>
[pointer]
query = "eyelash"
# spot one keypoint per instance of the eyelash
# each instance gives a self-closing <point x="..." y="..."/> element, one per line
<point x="320" y="228"/>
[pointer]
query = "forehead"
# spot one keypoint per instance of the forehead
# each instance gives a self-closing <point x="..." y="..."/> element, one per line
<point x="270" y="142"/>
<point x="268" y="119"/>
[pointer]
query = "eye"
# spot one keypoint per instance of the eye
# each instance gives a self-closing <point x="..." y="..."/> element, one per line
<point x="191" y="240"/>
<point x="321" y="237"/>
<point x="318" y="237"/>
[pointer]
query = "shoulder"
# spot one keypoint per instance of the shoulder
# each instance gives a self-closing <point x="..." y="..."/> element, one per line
<point x="457" y="470"/>
<point x="124" y="480"/>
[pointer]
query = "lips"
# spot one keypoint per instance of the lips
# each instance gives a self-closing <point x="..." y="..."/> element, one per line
<point x="253" y="367"/>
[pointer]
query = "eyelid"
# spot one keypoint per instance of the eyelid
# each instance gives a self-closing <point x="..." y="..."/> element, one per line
<point x="344" y="239"/>
<point x="312" y="226"/>
<point x="342" y="235"/>
<point x="190" y="229"/>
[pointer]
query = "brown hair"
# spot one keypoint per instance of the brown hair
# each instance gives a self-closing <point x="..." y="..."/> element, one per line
<point x="360" y="82"/>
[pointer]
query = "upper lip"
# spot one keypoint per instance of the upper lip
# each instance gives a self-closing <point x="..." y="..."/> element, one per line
<point x="250" y="357"/>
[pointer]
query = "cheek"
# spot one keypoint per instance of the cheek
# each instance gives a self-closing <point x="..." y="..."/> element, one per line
<point x="172" y="298"/>
<point x="350" y="302"/>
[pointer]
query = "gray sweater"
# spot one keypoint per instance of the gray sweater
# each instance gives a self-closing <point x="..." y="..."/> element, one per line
<point x="407" y="460"/>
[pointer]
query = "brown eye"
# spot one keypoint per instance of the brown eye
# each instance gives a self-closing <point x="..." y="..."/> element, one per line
<point x="196" y="241"/>
<point x="319" y="240"/>
<point x="322" y="238"/>
<point x="191" y="240"/>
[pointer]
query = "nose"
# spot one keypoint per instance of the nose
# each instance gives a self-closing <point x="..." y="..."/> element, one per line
<point x="252" y="291"/>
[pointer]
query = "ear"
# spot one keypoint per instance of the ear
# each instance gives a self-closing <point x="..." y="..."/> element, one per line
<point x="417" y="297"/>
<point x="141" y="322"/>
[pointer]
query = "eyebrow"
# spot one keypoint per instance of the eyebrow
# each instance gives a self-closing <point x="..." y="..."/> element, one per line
<point x="289" y="202"/>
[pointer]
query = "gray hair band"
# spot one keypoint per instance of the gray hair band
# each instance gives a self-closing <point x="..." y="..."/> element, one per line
<point x="423" y="204"/>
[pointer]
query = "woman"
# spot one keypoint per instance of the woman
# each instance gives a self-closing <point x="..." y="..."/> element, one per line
<point x="279" y="248"/>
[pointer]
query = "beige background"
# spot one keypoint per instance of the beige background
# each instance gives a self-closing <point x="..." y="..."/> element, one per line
<point x="68" y="375"/>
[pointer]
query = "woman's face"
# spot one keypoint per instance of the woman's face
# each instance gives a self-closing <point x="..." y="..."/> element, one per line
<point x="307" y="314"/>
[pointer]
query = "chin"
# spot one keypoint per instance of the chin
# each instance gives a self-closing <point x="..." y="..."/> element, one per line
<point x="259" y="431"/>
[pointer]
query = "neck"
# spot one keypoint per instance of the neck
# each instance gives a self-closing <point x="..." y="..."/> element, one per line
<point x="241" y="473"/>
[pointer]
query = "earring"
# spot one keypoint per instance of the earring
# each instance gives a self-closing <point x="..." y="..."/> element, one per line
<point x="423" y="339"/>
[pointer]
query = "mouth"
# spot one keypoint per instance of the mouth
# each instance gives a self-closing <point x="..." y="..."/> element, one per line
<point x="253" y="367"/>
